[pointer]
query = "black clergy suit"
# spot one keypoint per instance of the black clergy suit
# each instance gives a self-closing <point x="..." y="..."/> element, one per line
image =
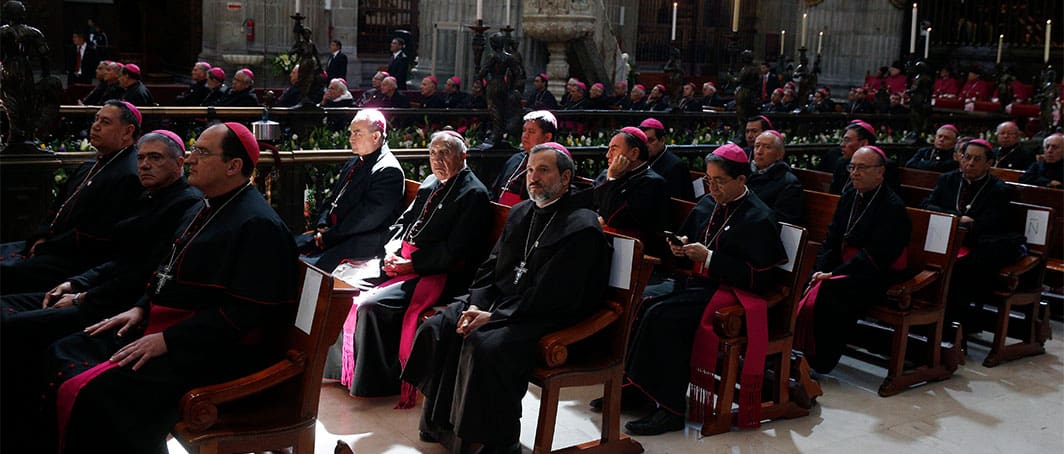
<point x="933" y="159"/>
<point x="541" y="100"/>
<point x="991" y="242"/>
<point x="1041" y="173"/>
<point x="103" y="92"/>
<point x="197" y="92"/>
<point x="435" y="101"/>
<point x="234" y="98"/>
<point x="876" y="225"/>
<point x="486" y="372"/>
<point x="234" y="286"/>
<point x="780" y="190"/>
<point x="398" y="68"/>
<point x="368" y="196"/>
<point x="676" y="173"/>
<point x="447" y="223"/>
<point x="744" y="238"/>
<point x="101" y="192"/>
<point x="138" y="95"/>
<point x="635" y="204"/>
<point x="1016" y="157"/>
<point x="511" y="177"/>
<point x="216" y="95"/>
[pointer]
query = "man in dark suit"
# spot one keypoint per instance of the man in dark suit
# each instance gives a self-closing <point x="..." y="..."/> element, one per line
<point x="82" y="62"/>
<point x="400" y="65"/>
<point x="337" y="66"/>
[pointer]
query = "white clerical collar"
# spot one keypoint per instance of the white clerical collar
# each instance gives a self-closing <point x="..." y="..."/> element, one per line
<point x="334" y="53"/>
<point x="396" y="53"/>
<point x="549" y="203"/>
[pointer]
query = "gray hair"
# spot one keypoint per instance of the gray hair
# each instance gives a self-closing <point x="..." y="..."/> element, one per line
<point x="451" y="140"/>
<point x="564" y="162"/>
<point x="172" y="148"/>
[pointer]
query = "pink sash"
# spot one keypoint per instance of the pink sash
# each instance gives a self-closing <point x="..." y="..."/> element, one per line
<point x="509" y="198"/>
<point x="427" y="292"/>
<point x="159" y="319"/>
<point x="704" y="357"/>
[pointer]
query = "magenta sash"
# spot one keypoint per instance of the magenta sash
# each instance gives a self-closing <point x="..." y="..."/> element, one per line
<point x="704" y="357"/>
<point x="509" y="198"/>
<point x="159" y="319"/>
<point x="427" y="292"/>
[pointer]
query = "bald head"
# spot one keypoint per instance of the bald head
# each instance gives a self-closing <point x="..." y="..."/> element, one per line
<point x="1008" y="134"/>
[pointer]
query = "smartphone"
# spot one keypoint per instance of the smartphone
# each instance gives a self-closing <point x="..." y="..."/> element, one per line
<point x="673" y="239"/>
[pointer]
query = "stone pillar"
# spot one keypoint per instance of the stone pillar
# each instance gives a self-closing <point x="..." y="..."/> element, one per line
<point x="557" y="23"/>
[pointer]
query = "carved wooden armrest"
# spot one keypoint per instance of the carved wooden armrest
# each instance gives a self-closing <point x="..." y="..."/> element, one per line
<point x="729" y="321"/>
<point x="554" y="347"/>
<point x="901" y="293"/>
<point x="1009" y="276"/>
<point x="199" y="407"/>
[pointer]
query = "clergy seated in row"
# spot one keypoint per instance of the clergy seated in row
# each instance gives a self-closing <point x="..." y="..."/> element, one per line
<point x="454" y="97"/>
<point x="547" y="271"/>
<point x="389" y="95"/>
<point x="637" y="98"/>
<point x="431" y="98"/>
<point x="1048" y="171"/>
<point x="107" y="88"/>
<point x="689" y="102"/>
<point x="577" y="97"/>
<point x="982" y="202"/>
<point x="441" y="244"/>
<point x="30" y="322"/>
<point x="754" y="127"/>
<point x="510" y="188"/>
<point x="656" y="99"/>
<point x="80" y="232"/>
<point x="856" y="135"/>
<point x="1010" y="153"/>
<point x="541" y="98"/>
<point x="666" y="163"/>
<point x="221" y="293"/>
<point x="629" y="196"/>
<point x="217" y="89"/>
<point x="730" y="241"/>
<point x="368" y="195"/>
<point x="242" y="94"/>
<point x="938" y="157"/>
<point x="772" y="180"/>
<point x="197" y="90"/>
<point x="862" y="255"/>
<point x="133" y="90"/>
<point x="371" y="97"/>
<point x="596" y="97"/>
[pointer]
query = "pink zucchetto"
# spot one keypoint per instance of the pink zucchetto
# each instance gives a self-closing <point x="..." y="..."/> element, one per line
<point x="732" y="152"/>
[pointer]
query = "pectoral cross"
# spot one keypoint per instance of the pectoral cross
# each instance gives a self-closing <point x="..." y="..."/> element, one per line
<point x="519" y="271"/>
<point x="164" y="276"/>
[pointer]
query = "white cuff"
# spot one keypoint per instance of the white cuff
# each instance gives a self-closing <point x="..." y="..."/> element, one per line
<point x="708" y="258"/>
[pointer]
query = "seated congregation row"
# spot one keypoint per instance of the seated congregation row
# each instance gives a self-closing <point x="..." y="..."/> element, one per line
<point x="145" y="285"/>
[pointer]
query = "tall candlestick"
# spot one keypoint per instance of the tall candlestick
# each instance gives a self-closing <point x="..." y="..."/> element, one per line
<point x="674" y="5"/>
<point x="805" y="17"/>
<point x="927" y="42"/>
<point x="297" y="6"/>
<point x="507" y="11"/>
<point x="1001" y="41"/>
<point x="480" y="9"/>
<point x="912" y="33"/>
<point x="820" y="43"/>
<point x="783" y="40"/>
<point x="1049" y="26"/>
<point x="735" y="16"/>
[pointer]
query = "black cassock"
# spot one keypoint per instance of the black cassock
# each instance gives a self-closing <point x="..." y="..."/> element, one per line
<point x="744" y="238"/>
<point x="780" y="190"/>
<point x="138" y="95"/>
<point x="511" y="178"/>
<point x="933" y="159"/>
<point x="197" y="92"/>
<point x="878" y="228"/>
<point x="367" y="197"/>
<point x="635" y="204"/>
<point x="1041" y="173"/>
<point x="238" y="277"/>
<point x="1016" y="157"/>
<point x="474" y="385"/>
<point x="676" y="174"/>
<point x="79" y="236"/>
<point x="448" y="225"/>
<point x="989" y="239"/>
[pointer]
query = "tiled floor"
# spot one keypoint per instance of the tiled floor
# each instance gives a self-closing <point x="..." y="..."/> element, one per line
<point x="1017" y="407"/>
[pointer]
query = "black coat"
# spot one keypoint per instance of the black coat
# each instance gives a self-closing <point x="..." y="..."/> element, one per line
<point x="933" y="159"/>
<point x="216" y="95"/>
<point x="103" y="92"/>
<point x="541" y="100"/>
<point x="233" y="98"/>
<point x="511" y="177"/>
<point x="337" y="66"/>
<point x="138" y="95"/>
<point x="195" y="95"/>
<point x="1016" y="157"/>
<point x="780" y="189"/>
<point x="399" y="68"/>
<point x="1041" y="173"/>
<point x="677" y="175"/>
<point x="436" y="101"/>
<point x="89" y="60"/>
<point x="636" y="204"/>
<point x="986" y="201"/>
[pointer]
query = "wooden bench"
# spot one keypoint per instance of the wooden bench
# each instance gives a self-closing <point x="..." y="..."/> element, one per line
<point x="1006" y="175"/>
<point x="814" y="180"/>
<point x="885" y="336"/>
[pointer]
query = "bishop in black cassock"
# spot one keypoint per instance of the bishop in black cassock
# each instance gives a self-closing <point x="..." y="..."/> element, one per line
<point x="539" y="127"/>
<point x="675" y="172"/>
<point x="772" y="180"/>
<point x="631" y="197"/>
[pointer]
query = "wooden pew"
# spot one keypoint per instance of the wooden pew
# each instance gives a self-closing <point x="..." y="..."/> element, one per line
<point x="1007" y="175"/>
<point x="885" y="335"/>
<point x="814" y="180"/>
<point x="918" y="178"/>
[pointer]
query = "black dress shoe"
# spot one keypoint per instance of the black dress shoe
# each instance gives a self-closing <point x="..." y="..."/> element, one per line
<point x="631" y="399"/>
<point x="515" y="448"/>
<point x="656" y="423"/>
<point x="427" y="437"/>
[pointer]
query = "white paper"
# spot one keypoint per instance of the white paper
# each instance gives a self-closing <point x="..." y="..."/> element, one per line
<point x="938" y="233"/>
<point x="359" y="273"/>
<point x="621" y="263"/>
<point x="790" y="236"/>
<point x="308" y="301"/>
<point x="700" y="188"/>
<point x="1037" y="224"/>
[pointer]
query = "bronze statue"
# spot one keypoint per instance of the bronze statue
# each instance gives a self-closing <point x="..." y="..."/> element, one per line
<point x="503" y="74"/>
<point x="27" y="104"/>
<point x="675" y="73"/>
<point x="1047" y="97"/>
<point x="805" y="78"/>
<point x="1004" y="85"/>
<point x="920" y="98"/>
<point x="748" y="93"/>
<point x="305" y="54"/>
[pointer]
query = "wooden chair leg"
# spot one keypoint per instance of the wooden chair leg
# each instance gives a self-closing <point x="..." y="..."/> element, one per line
<point x="304" y="442"/>
<point x="611" y="408"/>
<point x="1001" y="330"/>
<point x="548" y="416"/>
<point x="896" y="365"/>
<point x="718" y="418"/>
<point x="1045" y="331"/>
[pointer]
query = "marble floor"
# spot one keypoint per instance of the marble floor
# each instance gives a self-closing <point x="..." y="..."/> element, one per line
<point x="1017" y="407"/>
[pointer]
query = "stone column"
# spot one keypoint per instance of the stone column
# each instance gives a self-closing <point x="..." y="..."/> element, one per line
<point x="557" y="23"/>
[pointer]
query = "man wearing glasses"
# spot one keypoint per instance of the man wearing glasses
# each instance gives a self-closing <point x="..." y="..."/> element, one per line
<point x="856" y="135"/>
<point x="1010" y="153"/>
<point x="982" y="202"/>
<point x="353" y="221"/>
<point x="666" y="163"/>
<point x="861" y="256"/>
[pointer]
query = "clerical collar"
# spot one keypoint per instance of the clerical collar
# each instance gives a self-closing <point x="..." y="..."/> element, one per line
<point x="225" y="198"/>
<point x="372" y="157"/>
<point x="977" y="180"/>
<point x="334" y="53"/>
<point x="396" y="54"/>
<point x="739" y="199"/>
<point x="753" y="167"/>
<point x="550" y="206"/>
<point x="464" y="168"/>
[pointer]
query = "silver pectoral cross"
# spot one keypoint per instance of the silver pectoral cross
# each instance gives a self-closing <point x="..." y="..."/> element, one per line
<point x="519" y="271"/>
<point x="164" y="276"/>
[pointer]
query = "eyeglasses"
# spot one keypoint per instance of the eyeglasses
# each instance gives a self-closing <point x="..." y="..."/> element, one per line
<point x="716" y="181"/>
<point x="200" y="151"/>
<point x="974" y="158"/>
<point x="860" y="167"/>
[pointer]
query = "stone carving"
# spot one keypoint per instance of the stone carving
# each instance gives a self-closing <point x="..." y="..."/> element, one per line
<point x="1047" y="98"/>
<point x="920" y="98"/>
<point x="557" y="22"/>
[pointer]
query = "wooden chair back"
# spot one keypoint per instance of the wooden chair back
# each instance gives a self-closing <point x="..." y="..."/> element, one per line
<point x="410" y="192"/>
<point x="813" y="180"/>
<point x="917" y="177"/>
<point x="275" y="408"/>
<point x="1007" y="175"/>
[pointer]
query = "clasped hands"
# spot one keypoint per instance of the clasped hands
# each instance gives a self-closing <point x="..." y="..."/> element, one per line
<point x="696" y="252"/>
<point x="395" y="265"/>
<point x="472" y="319"/>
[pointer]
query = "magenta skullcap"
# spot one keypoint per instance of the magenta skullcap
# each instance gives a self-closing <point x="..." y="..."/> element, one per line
<point x="136" y="113"/>
<point x="652" y="123"/>
<point x="982" y="143"/>
<point x="204" y="64"/>
<point x="132" y="69"/>
<point x="247" y="72"/>
<point x="823" y="91"/>
<point x="865" y="126"/>
<point x="711" y="84"/>
<point x="877" y="150"/>
<point x="217" y="73"/>
<point x="583" y="86"/>
<point x="434" y="80"/>
<point x="778" y="90"/>
<point x="544" y="76"/>
<point x="638" y="133"/>
<point x="639" y="87"/>
<point x="660" y="87"/>
<point x="247" y="139"/>
<point x="599" y="85"/>
<point x="767" y="121"/>
<point x="623" y="82"/>
<point x="690" y="84"/>
<point x="557" y="146"/>
<point x="120" y="65"/>
<point x="951" y="128"/>
<point x="452" y="133"/>
<point x="172" y="136"/>
<point x="455" y="80"/>
<point x="732" y="152"/>
<point x="775" y="133"/>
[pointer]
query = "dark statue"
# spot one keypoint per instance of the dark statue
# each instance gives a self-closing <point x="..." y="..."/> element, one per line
<point x="920" y="98"/>
<point x="748" y="92"/>
<point x="1004" y="79"/>
<point x="805" y="77"/>
<point x="305" y="54"/>
<point x="1047" y="97"/>
<point x="675" y="73"/>
<point x="503" y="73"/>
<point x="28" y="105"/>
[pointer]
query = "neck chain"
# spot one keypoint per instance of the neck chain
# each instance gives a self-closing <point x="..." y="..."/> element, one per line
<point x="521" y="269"/>
<point x="724" y="225"/>
<point x="165" y="275"/>
<point x="850" y="221"/>
<point x="421" y="222"/>
<point x="85" y="183"/>
<point x="347" y="182"/>
<point x="517" y="173"/>
<point x="960" y="188"/>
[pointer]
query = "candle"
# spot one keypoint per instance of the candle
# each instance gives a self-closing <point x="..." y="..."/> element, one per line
<point x="674" y="5"/>
<point x="297" y="6"/>
<point x="480" y="9"/>
<point x="820" y="43"/>
<point x="1049" y="26"/>
<point x="1001" y="41"/>
<point x="783" y="40"/>
<point x="927" y="42"/>
<point x="507" y="11"/>
<point x="735" y="16"/>
<point x="804" y="17"/>
<point x="621" y="21"/>
<point x="912" y="33"/>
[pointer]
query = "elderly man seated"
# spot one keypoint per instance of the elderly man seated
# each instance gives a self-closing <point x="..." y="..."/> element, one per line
<point x="939" y="157"/>
<point x="1010" y="153"/>
<point x="772" y="180"/>
<point x="1048" y="171"/>
<point x="353" y="221"/>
